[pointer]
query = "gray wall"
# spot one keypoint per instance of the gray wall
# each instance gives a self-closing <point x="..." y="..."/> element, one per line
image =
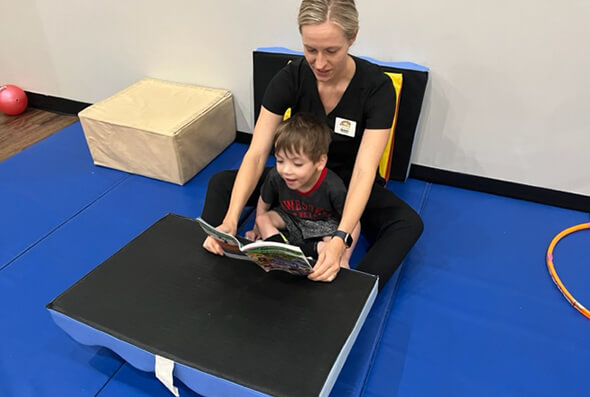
<point x="508" y="97"/>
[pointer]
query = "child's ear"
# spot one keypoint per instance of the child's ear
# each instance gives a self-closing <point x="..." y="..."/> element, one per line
<point x="321" y="163"/>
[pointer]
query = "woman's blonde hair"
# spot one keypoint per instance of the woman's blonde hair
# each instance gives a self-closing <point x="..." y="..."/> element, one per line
<point x="340" y="12"/>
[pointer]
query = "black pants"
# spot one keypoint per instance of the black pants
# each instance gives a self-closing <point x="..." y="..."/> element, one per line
<point x="390" y="224"/>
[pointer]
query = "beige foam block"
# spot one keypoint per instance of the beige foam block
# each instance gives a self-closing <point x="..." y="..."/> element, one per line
<point x="163" y="130"/>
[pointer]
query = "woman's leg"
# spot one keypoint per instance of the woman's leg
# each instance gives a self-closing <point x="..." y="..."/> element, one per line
<point x="219" y="193"/>
<point x="394" y="227"/>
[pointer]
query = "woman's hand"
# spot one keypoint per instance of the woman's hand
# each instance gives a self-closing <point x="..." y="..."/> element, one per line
<point x="212" y="245"/>
<point x="328" y="264"/>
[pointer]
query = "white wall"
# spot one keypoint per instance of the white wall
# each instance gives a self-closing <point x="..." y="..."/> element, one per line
<point x="508" y="96"/>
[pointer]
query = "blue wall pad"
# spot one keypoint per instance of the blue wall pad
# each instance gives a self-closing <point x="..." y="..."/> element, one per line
<point x="233" y="328"/>
<point x="44" y="186"/>
<point x="476" y="312"/>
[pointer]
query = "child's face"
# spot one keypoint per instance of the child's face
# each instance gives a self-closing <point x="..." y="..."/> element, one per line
<point x="298" y="171"/>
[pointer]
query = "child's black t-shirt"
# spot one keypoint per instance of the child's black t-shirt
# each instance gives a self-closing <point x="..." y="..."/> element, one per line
<point x="311" y="214"/>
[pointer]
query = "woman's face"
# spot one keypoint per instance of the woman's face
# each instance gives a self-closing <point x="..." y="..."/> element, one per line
<point x="326" y="50"/>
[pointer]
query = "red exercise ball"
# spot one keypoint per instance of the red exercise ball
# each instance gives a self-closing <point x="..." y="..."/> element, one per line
<point x="13" y="100"/>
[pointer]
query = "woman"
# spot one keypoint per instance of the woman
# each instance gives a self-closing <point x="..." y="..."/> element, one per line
<point x="357" y="100"/>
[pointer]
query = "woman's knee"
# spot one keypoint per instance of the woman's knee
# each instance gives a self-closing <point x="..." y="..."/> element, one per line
<point x="221" y="181"/>
<point x="415" y="224"/>
<point x="408" y="221"/>
<point x="399" y="222"/>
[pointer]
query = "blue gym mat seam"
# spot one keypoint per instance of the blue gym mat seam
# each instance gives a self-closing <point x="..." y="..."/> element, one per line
<point x="424" y="199"/>
<point x="109" y="379"/>
<point x="57" y="227"/>
<point x="421" y="207"/>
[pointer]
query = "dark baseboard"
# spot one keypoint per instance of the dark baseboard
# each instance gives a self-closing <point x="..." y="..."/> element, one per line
<point x="55" y="104"/>
<point x="487" y="185"/>
<point x="472" y="182"/>
<point x="509" y="189"/>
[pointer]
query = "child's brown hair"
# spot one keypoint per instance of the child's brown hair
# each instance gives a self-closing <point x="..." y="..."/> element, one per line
<point x="303" y="133"/>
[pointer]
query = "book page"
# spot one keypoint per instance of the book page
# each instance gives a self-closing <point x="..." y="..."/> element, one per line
<point x="276" y="256"/>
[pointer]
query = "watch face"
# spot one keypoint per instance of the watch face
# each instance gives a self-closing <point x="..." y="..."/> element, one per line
<point x="348" y="240"/>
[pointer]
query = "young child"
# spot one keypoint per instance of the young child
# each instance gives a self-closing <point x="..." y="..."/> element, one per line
<point x="301" y="201"/>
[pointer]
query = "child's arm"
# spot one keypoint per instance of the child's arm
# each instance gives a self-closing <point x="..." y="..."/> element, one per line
<point x="261" y="207"/>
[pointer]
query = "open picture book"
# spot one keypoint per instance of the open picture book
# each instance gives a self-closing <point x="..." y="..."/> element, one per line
<point x="268" y="255"/>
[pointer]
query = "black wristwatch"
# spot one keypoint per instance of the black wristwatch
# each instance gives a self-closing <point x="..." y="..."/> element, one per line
<point x="344" y="236"/>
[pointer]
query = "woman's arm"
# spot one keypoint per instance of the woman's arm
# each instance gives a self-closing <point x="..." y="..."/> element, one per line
<point x="248" y="174"/>
<point x="359" y="189"/>
<point x="252" y="165"/>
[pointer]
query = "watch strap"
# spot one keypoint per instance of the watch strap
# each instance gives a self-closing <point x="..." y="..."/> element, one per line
<point x="346" y="237"/>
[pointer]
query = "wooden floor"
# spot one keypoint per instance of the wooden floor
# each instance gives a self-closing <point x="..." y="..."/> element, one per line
<point x="19" y="132"/>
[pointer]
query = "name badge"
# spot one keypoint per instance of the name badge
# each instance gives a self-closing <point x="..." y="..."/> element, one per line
<point x="345" y="127"/>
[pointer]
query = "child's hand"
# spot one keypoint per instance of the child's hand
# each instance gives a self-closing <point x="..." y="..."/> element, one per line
<point x="252" y="235"/>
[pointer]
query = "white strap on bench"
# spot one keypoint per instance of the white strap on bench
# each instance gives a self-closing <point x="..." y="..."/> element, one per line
<point x="164" y="368"/>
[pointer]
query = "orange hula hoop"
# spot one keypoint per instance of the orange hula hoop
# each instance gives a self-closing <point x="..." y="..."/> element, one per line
<point x="577" y="305"/>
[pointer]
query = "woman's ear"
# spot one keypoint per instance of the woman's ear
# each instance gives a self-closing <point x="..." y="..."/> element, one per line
<point x="353" y="38"/>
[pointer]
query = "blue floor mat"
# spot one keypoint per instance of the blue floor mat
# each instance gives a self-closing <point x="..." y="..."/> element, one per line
<point x="476" y="312"/>
<point x="45" y="185"/>
<point x="38" y="359"/>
